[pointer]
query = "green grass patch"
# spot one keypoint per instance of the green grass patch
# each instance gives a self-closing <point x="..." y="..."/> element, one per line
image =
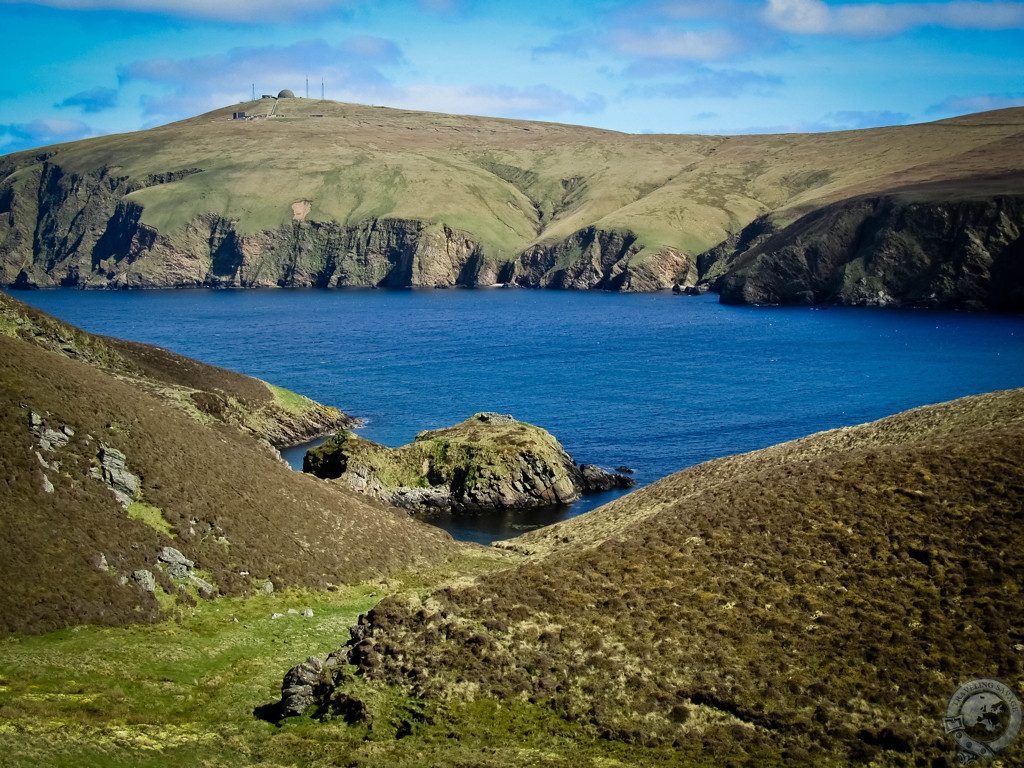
<point x="151" y="516"/>
<point x="290" y="401"/>
<point x="183" y="692"/>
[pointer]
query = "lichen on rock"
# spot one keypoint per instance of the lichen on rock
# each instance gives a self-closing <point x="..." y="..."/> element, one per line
<point x="489" y="461"/>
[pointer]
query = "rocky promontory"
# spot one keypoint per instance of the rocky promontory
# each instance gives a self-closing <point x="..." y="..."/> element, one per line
<point x="925" y="247"/>
<point x="489" y="461"/>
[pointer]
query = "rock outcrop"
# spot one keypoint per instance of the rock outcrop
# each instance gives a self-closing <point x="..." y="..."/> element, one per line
<point x="113" y="471"/>
<point x="489" y="461"/>
<point x="599" y="259"/>
<point x="917" y="249"/>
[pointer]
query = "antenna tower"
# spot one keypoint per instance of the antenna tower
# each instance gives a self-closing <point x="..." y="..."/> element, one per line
<point x="307" y="87"/>
<point x="323" y="96"/>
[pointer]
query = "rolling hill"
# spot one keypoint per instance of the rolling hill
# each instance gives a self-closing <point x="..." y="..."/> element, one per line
<point x="134" y="479"/>
<point x="330" y="194"/>
<point x="817" y="602"/>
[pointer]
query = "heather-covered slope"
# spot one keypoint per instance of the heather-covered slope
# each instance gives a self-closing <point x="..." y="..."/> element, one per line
<point x="818" y="601"/>
<point x="330" y="194"/>
<point x="114" y="454"/>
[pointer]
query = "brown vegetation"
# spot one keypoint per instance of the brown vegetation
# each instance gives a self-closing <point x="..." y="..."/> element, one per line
<point x="232" y="506"/>
<point x="818" y="600"/>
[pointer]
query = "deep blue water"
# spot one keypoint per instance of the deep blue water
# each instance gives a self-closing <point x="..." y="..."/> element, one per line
<point x="654" y="382"/>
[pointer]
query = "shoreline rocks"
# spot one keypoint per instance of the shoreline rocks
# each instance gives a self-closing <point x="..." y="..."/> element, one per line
<point x="490" y="461"/>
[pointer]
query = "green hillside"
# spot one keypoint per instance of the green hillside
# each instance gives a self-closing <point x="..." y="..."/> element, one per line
<point x="325" y="193"/>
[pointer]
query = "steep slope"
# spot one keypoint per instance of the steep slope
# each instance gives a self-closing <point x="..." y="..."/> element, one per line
<point x="276" y="415"/>
<point x="817" y="601"/>
<point x="132" y="478"/>
<point x="935" y="246"/>
<point x="330" y="194"/>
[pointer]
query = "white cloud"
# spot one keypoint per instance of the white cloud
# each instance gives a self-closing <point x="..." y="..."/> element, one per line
<point x="94" y="100"/>
<point x="815" y="17"/>
<point x="690" y="45"/>
<point x="497" y="100"/>
<point x="698" y="81"/>
<point x="352" y="69"/>
<point x="14" y="136"/>
<point x="962" y="105"/>
<point x="230" y="10"/>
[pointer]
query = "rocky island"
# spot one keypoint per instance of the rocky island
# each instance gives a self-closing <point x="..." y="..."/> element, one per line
<point x="489" y="461"/>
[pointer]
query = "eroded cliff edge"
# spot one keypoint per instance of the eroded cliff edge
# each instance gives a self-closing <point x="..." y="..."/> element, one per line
<point x="943" y="244"/>
<point x="59" y="228"/>
<point x="919" y="248"/>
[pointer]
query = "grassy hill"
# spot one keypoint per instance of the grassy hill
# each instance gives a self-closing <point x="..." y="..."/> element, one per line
<point x="325" y="193"/>
<point x="817" y="602"/>
<point x="113" y="451"/>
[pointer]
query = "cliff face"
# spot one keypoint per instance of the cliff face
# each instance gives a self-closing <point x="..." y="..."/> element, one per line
<point x="601" y="259"/>
<point x="885" y="251"/>
<point x="64" y="229"/>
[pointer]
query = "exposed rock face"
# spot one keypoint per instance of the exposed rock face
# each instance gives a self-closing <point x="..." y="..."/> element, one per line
<point x="489" y="461"/>
<point x="889" y="251"/>
<point x="599" y="259"/>
<point x="68" y="229"/>
<point x="114" y="472"/>
<point x="145" y="579"/>
<point x="303" y="687"/>
<point x="913" y="247"/>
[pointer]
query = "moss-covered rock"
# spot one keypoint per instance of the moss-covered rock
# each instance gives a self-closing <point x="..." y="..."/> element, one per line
<point x="489" y="461"/>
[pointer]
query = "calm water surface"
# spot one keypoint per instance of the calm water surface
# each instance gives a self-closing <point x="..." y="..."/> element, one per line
<point x="655" y="382"/>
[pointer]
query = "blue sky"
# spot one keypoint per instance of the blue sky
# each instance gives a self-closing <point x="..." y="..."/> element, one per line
<point x="79" y="68"/>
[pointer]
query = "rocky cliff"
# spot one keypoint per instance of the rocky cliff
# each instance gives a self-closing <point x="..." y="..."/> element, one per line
<point x="86" y="233"/>
<point x="487" y="462"/>
<point x="318" y="193"/>
<point x="921" y="248"/>
<point x="599" y="259"/>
